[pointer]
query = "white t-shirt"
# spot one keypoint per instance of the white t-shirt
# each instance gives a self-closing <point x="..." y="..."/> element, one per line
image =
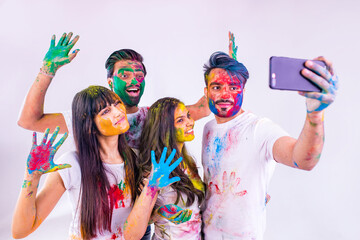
<point x="136" y="121"/>
<point x="238" y="164"/>
<point x="164" y="229"/>
<point x="119" y="194"/>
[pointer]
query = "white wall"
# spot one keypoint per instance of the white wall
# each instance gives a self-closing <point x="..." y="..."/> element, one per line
<point x="176" y="39"/>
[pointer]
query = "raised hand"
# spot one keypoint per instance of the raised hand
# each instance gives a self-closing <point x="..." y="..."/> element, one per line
<point x="232" y="46"/>
<point x="326" y="79"/>
<point x="174" y="213"/>
<point x="57" y="56"/>
<point x="160" y="171"/>
<point x="41" y="156"/>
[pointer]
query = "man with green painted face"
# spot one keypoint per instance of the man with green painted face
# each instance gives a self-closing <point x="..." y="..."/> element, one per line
<point x="125" y="76"/>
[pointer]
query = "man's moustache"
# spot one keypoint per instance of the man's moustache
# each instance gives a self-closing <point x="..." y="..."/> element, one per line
<point x="223" y="101"/>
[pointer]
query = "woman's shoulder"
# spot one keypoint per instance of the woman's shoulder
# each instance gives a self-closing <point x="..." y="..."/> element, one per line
<point x="71" y="176"/>
<point x="70" y="157"/>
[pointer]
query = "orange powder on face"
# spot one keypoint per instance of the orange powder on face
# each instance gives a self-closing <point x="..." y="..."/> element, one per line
<point x="107" y="128"/>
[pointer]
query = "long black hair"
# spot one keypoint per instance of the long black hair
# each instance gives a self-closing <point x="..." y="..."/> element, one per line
<point x="95" y="207"/>
<point x="159" y="132"/>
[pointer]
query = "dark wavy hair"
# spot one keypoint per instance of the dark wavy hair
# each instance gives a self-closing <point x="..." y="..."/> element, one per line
<point x="159" y="132"/>
<point x="224" y="61"/>
<point x="95" y="207"/>
<point x="122" y="54"/>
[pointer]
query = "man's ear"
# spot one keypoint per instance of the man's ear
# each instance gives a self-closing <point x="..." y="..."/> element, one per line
<point x="205" y="92"/>
<point x="111" y="83"/>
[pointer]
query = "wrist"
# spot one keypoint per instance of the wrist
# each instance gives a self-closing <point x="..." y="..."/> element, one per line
<point x="45" y="73"/>
<point x="48" y="68"/>
<point x="152" y="190"/>
<point x="31" y="178"/>
<point x="315" y="117"/>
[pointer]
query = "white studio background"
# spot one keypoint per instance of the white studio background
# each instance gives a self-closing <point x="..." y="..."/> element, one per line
<point x="176" y="39"/>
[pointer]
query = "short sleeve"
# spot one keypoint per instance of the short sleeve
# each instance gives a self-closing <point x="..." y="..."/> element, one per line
<point x="68" y="120"/>
<point x="70" y="176"/>
<point x="266" y="134"/>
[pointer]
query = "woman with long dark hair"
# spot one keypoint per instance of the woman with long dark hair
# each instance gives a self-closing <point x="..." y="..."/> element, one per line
<point x="101" y="181"/>
<point x="176" y="214"/>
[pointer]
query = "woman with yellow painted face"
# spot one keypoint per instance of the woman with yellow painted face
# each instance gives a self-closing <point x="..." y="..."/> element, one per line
<point x="100" y="176"/>
<point x="176" y="214"/>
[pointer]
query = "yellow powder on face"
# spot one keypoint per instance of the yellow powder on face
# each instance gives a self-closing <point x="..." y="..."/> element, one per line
<point x="180" y="136"/>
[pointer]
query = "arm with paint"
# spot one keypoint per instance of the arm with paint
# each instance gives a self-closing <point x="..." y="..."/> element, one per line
<point x="32" y="208"/>
<point x="200" y="109"/>
<point x="232" y="46"/>
<point x="304" y="153"/>
<point x="32" y="115"/>
<point x="138" y="219"/>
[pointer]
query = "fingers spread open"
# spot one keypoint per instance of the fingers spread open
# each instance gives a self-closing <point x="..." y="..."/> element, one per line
<point x="153" y="159"/>
<point x="60" y="142"/>
<point x="163" y="156"/>
<point x="34" y="141"/>
<point x="73" y="54"/>
<point x="67" y="39"/>
<point x="61" y="39"/>
<point x="45" y="136"/>
<point x="172" y="180"/>
<point x="170" y="158"/>
<point x="175" y="164"/>
<point x="72" y="42"/>
<point x="53" y="137"/>
<point x="52" y="43"/>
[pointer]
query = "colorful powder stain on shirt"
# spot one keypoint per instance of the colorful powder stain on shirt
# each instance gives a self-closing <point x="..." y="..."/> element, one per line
<point x="195" y="179"/>
<point x="136" y="122"/>
<point x="220" y="144"/>
<point x="117" y="195"/>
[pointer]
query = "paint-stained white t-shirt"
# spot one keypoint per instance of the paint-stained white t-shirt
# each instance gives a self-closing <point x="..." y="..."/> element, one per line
<point x="167" y="230"/>
<point x="136" y="122"/>
<point x="118" y="194"/>
<point x="238" y="163"/>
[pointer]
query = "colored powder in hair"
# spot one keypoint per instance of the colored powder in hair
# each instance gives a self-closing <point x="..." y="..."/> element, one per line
<point x="93" y="91"/>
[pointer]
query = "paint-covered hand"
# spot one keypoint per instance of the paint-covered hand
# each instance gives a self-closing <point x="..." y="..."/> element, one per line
<point x="159" y="177"/>
<point x="41" y="156"/>
<point x="229" y="186"/>
<point x="174" y="213"/>
<point x="58" y="55"/>
<point x="232" y="46"/>
<point x="326" y="79"/>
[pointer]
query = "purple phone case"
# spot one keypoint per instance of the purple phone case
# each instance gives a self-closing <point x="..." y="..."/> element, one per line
<point x="285" y="75"/>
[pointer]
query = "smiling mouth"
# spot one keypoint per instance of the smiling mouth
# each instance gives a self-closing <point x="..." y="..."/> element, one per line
<point x="133" y="91"/>
<point x="191" y="131"/>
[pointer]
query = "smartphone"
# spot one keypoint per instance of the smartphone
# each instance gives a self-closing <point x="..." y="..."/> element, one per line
<point x="285" y="75"/>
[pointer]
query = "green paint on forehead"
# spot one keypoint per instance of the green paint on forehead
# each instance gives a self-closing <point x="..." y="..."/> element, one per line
<point x="122" y="70"/>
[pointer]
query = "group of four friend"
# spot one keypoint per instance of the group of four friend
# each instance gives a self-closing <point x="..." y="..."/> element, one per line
<point x="131" y="167"/>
